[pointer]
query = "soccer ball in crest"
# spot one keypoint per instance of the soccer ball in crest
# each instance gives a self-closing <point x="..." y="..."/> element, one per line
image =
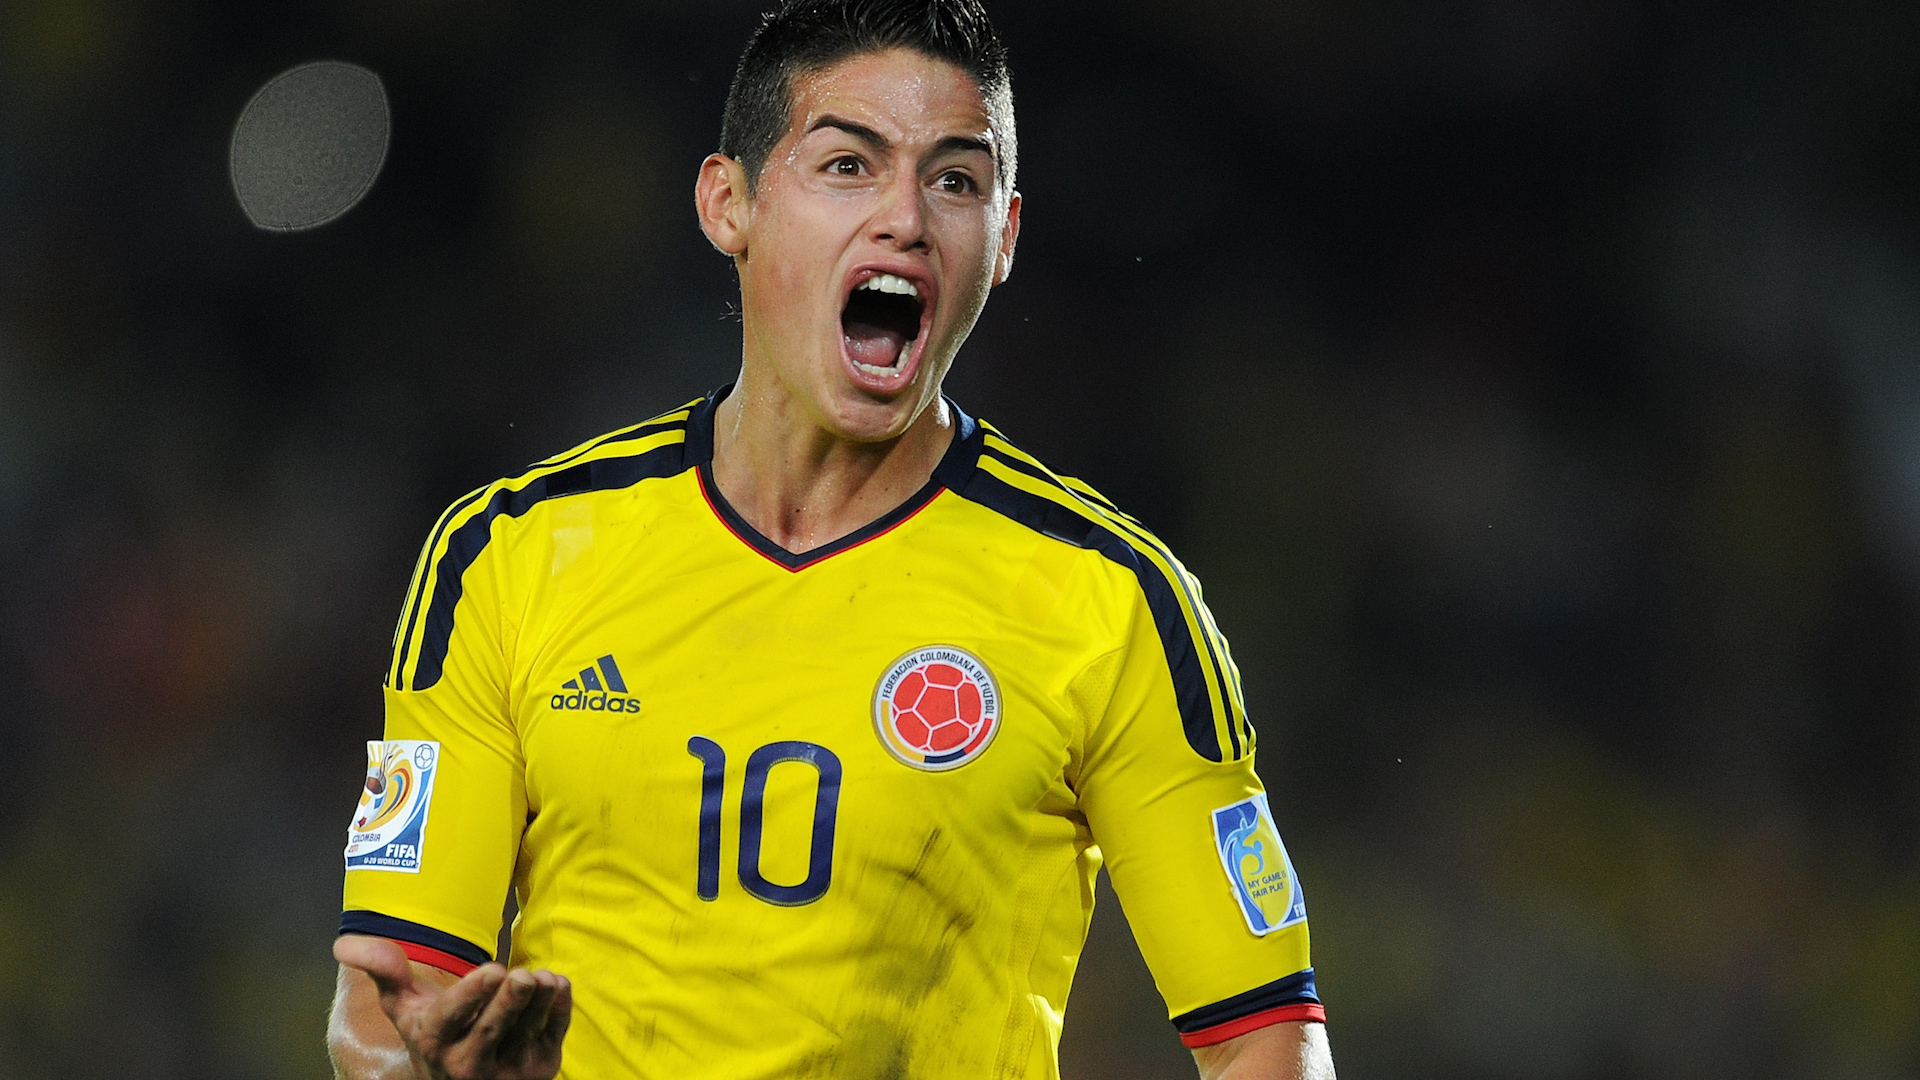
<point x="936" y="707"/>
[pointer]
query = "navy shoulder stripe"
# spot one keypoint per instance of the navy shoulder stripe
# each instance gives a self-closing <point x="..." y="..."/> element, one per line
<point x="465" y="543"/>
<point x="1049" y="518"/>
<point x="463" y="532"/>
<point x="1207" y="698"/>
<point x="403" y="634"/>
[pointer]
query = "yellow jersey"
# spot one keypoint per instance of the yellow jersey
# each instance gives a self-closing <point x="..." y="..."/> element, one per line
<point x="834" y="814"/>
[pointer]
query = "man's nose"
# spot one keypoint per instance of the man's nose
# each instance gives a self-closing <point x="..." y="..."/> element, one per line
<point x="901" y="219"/>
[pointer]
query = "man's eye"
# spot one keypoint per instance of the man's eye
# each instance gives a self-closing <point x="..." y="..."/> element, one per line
<point x="846" y="166"/>
<point x="958" y="183"/>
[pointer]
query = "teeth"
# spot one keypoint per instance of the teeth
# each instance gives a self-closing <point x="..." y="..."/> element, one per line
<point x="889" y="283"/>
<point x="871" y="370"/>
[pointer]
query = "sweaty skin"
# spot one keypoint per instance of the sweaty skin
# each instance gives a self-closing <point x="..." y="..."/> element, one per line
<point x="1295" y="1050"/>
<point x="889" y="167"/>
<point x="394" y="1019"/>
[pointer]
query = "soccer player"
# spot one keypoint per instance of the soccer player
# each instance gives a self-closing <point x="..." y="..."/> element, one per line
<point x="801" y="718"/>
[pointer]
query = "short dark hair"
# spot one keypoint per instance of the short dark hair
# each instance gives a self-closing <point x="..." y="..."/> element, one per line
<point x="805" y="36"/>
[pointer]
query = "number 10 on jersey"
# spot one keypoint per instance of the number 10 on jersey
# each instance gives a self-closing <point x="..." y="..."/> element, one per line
<point x="713" y="790"/>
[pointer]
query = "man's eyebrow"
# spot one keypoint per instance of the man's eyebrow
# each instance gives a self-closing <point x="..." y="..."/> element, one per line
<point x="963" y="144"/>
<point x="859" y="131"/>
<point x="952" y="144"/>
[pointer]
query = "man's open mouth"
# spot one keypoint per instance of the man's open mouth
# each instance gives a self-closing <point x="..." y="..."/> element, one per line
<point x="880" y="322"/>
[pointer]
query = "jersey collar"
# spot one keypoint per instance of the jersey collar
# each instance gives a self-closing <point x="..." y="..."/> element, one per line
<point x="955" y="466"/>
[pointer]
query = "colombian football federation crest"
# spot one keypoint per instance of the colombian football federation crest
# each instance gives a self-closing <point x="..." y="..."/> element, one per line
<point x="1257" y="865"/>
<point x="936" y="708"/>
<point x="392" y="815"/>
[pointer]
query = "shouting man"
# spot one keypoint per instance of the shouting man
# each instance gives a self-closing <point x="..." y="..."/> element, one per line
<point x="801" y="719"/>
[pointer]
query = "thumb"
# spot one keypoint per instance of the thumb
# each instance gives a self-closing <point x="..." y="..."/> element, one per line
<point x="381" y="959"/>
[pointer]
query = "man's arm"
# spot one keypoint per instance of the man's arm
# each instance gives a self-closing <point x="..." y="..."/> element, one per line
<point x="394" y="1019"/>
<point x="361" y="1041"/>
<point x="1296" y="1050"/>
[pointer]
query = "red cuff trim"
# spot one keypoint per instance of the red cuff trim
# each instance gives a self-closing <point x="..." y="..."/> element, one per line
<point x="431" y="957"/>
<point x="1233" y="1029"/>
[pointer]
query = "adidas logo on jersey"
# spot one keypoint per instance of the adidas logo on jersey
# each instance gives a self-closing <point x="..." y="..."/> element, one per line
<point x="601" y="690"/>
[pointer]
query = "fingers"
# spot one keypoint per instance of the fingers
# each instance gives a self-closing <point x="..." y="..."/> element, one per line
<point x="561" y="1014"/>
<point x="522" y="1023"/>
<point x="460" y="1004"/>
<point x="511" y="998"/>
<point x="491" y="1014"/>
<point x="385" y="961"/>
<point x="523" y="1030"/>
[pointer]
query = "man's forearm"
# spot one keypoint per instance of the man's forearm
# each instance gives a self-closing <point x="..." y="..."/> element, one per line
<point x="362" y="1043"/>
<point x="1296" y="1050"/>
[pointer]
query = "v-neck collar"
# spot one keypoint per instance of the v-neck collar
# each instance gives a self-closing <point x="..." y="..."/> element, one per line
<point x="955" y="466"/>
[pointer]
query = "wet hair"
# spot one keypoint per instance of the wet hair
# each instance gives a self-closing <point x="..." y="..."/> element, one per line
<point x="806" y="36"/>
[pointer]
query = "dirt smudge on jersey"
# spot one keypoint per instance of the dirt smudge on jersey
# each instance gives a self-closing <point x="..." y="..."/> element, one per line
<point x="642" y="1030"/>
<point x="909" y="955"/>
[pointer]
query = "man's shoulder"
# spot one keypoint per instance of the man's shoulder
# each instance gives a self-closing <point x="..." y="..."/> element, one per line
<point x="667" y="428"/>
<point x="1021" y="487"/>
<point x="484" y="521"/>
<point x="653" y="448"/>
<point x="1066" y="509"/>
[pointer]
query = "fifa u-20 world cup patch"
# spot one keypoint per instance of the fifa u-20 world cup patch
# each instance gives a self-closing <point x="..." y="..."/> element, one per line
<point x="1257" y="865"/>
<point x="936" y="708"/>
<point x="392" y="815"/>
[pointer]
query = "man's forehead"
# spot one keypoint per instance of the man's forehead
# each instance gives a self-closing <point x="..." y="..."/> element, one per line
<point x="901" y="94"/>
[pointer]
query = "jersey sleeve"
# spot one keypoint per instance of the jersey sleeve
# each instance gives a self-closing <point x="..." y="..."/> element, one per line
<point x="430" y="854"/>
<point x="1189" y="839"/>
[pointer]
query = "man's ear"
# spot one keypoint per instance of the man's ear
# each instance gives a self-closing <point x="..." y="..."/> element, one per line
<point x="1009" y="236"/>
<point x="720" y="197"/>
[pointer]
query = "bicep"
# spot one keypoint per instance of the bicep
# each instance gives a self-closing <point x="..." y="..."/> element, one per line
<point x="439" y="879"/>
<point x="1196" y="858"/>
<point x="438" y="829"/>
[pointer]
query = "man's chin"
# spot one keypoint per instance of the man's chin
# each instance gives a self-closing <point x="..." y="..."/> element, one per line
<point x="859" y="415"/>
<point x="874" y="422"/>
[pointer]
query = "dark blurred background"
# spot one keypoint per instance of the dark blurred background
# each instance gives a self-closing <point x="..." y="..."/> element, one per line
<point x="1535" y="385"/>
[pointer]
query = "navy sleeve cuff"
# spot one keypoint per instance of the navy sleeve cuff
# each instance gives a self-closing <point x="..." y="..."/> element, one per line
<point x="1291" y="998"/>
<point x="386" y="926"/>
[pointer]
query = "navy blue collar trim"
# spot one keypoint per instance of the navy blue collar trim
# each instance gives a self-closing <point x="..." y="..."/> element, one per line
<point x="955" y="468"/>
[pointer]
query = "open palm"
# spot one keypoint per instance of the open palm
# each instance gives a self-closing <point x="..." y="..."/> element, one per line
<point x="491" y="1025"/>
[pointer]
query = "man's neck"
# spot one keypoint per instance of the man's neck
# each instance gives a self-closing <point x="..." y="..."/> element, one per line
<point x="800" y="485"/>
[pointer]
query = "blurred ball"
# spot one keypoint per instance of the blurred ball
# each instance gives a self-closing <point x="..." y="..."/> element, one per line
<point x="309" y="145"/>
